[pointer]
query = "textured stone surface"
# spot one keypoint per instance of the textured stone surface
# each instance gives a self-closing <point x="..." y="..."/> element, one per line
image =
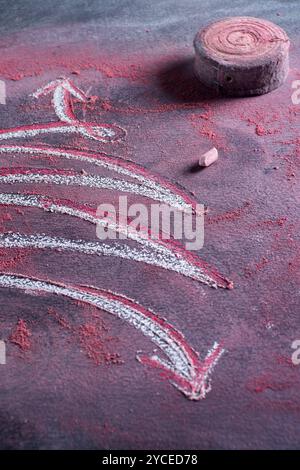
<point x="137" y="58"/>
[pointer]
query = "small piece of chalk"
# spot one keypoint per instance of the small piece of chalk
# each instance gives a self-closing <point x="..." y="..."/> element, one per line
<point x="208" y="158"/>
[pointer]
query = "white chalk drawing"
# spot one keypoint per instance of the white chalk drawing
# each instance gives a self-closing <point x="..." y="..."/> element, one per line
<point x="160" y="257"/>
<point x="162" y="190"/>
<point x="181" y="363"/>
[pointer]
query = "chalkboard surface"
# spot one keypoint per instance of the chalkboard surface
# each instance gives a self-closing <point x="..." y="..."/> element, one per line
<point x="99" y="99"/>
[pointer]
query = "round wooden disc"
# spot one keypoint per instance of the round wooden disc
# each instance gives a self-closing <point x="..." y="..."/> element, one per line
<point x="242" y="56"/>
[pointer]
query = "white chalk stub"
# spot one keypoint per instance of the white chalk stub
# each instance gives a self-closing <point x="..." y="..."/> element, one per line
<point x="208" y="158"/>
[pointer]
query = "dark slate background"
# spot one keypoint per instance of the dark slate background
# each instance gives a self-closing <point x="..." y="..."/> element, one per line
<point x="138" y="55"/>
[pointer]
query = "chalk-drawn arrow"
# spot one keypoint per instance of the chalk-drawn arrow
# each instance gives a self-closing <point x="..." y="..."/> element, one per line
<point x="62" y="90"/>
<point x="182" y="364"/>
<point x="68" y="123"/>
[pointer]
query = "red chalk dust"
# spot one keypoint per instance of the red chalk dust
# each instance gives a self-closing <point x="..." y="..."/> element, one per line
<point x="268" y="382"/>
<point x="92" y="342"/>
<point x="92" y="336"/>
<point x="21" y="336"/>
<point x="229" y="215"/>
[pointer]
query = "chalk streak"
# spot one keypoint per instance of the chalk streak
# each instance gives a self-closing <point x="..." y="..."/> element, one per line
<point x="170" y="194"/>
<point x="182" y="363"/>
<point x="167" y="261"/>
<point x="61" y="177"/>
<point x="209" y="276"/>
<point x="99" y="132"/>
<point x="63" y="105"/>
